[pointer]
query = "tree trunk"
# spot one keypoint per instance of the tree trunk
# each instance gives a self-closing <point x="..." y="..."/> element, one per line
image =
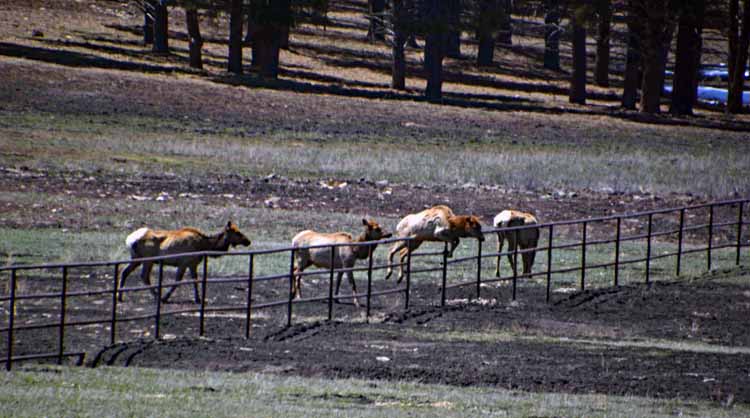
<point x="601" y="72"/>
<point x="433" y="58"/>
<point x="269" y="20"/>
<point x="737" y="84"/>
<point x="687" y="59"/>
<point x="657" y="32"/>
<point x="398" y="74"/>
<point x="148" y="22"/>
<point x="434" y="48"/>
<point x="669" y="32"/>
<point x="633" y="61"/>
<point x="235" y="37"/>
<point x="284" y="40"/>
<point x="552" y="35"/>
<point x="161" y="28"/>
<point x="733" y="37"/>
<point x="376" y="31"/>
<point x="486" y="49"/>
<point x="195" y="39"/>
<point x="266" y="43"/>
<point x="453" y="38"/>
<point x="505" y="35"/>
<point x="578" y="76"/>
<point x="249" y="12"/>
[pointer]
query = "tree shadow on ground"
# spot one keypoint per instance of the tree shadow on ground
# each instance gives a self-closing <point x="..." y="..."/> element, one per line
<point x="347" y="88"/>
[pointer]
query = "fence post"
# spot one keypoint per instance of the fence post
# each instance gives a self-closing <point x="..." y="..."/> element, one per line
<point x="515" y="263"/>
<point x="330" y="283"/>
<point x="408" y="274"/>
<point x="158" y="299"/>
<point x="710" y="235"/>
<point x="445" y="274"/>
<point x="679" y="240"/>
<point x="369" y="278"/>
<point x="648" y="248"/>
<point x="204" y="287"/>
<point x="549" y="261"/>
<point x="11" y="319"/>
<point x="63" y="303"/>
<point x="248" y="314"/>
<point x="617" y="251"/>
<point x="113" y="322"/>
<point x="479" y="267"/>
<point x="739" y="233"/>
<point x="291" y="289"/>
<point x="583" y="257"/>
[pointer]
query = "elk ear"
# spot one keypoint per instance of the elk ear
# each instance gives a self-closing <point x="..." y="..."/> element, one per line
<point x="364" y="222"/>
<point x="387" y="236"/>
<point x="229" y="225"/>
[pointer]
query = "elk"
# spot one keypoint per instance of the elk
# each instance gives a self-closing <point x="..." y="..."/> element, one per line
<point x="435" y="224"/>
<point x="146" y="242"/>
<point x="527" y="238"/>
<point x="343" y="256"/>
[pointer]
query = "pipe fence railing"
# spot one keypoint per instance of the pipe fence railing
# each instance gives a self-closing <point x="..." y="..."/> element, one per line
<point x="591" y="233"/>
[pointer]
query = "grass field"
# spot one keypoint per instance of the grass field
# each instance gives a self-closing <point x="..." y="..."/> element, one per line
<point x="675" y="160"/>
<point x="55" y="391"/>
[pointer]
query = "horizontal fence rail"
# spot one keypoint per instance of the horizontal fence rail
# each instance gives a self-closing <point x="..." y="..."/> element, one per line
<point x="701" y="225"/>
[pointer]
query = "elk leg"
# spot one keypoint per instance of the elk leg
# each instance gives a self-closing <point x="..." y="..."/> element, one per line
<point x="194" y="273"/>
<point x="146" y="274"/>
<point x="350" y="275"/>
<point x="528" y="261"/>
<point x="410" y="248"/>
<point x="180" y="273"/>
<point x="402" y="255"/>
<point x="124" y="275"/>
<point x="297" y="282"/>
<point x="394" y="249"/>
<point x="339" y="276"/>
<point x="500" y="239"/>
<point x="511" y="258"/>
<point x="454" y="244"/>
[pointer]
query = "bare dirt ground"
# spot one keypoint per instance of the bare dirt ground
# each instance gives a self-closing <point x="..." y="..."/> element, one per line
<point x="686" y="338"/>
<point x="597" y="341"/>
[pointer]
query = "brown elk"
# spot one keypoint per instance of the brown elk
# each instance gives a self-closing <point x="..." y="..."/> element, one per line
<point x="343" y="256"/>
<point x="146" y="242"/>
<point x="435" y="224"/>
<point x="527" y="238"/>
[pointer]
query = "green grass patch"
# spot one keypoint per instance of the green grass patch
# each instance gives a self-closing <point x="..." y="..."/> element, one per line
<point x="60" y="391"/>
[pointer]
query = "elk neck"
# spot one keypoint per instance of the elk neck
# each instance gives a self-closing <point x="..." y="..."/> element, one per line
<point x="361" y="251"/>
<point x="457" y="222"/>
<point x="218" y="242"/>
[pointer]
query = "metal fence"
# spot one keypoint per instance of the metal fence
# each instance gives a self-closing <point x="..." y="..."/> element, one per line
<point x="722" y="230"/>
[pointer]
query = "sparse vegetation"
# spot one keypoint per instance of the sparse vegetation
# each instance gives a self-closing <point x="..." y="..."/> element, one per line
<point x="56" y="391"/>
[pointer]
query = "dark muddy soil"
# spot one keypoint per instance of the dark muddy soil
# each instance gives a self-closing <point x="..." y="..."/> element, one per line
<point x="631" y="340"/>
<point x="687" y="338"/>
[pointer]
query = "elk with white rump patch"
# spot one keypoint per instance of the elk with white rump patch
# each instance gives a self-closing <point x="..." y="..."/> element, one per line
<point x="527" y="238"/>
<point x="343" y="256"/>
<point x="435" y="224"/>
<point x="146" y="242"/>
